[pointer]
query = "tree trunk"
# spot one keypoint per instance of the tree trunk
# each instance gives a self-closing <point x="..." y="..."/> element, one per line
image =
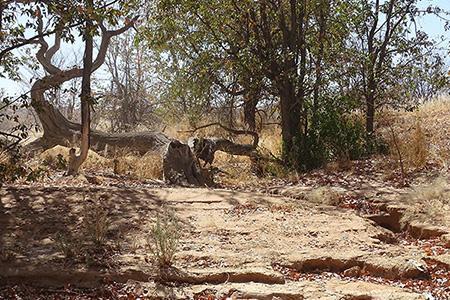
<point x="250" y="101"/>
<point x="181" y="167"/>
<point x="370" y="104"/>
<point x="322" y="22"/>
<point x="86" y="101"/>
<point x="290" y="120"/>
<point x="370" y="114"/>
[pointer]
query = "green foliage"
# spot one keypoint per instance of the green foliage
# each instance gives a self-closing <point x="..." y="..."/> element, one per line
<point x="337" y="136"/>
<point x="66" y="245"/>
<point x="309" y="152"/>
<point x="214" y="48"/>
<point x="164" y="239"/>
<point x="12" y="167"/>
<point x="343" y="135"/>
<point x="37" y="174"/>
<point x="56" y="163"/>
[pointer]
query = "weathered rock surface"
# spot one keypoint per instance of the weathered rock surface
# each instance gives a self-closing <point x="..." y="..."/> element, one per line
<point x="230" y="242"/>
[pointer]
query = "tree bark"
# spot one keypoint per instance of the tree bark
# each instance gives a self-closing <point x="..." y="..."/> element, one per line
<point x="181" y="167"/>
<point x="251" y="99"/>
<point x="290" y="120"/>
<point x="370" y="109"/>
<point x="322" y="22"/>
<point x="86" y="101"/>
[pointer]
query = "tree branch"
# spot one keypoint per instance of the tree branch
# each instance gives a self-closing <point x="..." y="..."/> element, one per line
<point x="42" y="55"/>
<point x="231" y="130"/>
<point x="106" y="38"/>
<point x="33" y="39"/>
<point x="51" y="52"/>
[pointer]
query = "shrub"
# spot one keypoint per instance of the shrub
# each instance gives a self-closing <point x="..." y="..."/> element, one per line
<point x="57" y="162"/>
<point x="337" y="135"/>
<point x="96" y="223"/>
<point x="163" y="239"/>
<point x="65" y="245"/>
<point x="10" y="167"/>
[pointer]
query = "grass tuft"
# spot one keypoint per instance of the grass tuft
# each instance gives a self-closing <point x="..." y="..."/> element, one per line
<point x="163" y="239"/>
<point x="428" y="203"/>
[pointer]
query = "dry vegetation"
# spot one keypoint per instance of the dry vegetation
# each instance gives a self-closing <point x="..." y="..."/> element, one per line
<point x="428" y="203"/>
<point x="98" y="237"/>
<point x="148" y="166"/>
<point x="417" y="141"/>
<point x="422" y="135"/>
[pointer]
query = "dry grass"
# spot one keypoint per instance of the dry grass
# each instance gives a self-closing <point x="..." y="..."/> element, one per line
<point x="163" y="239"/>
<point x="323" y="195"/>
<point x="428" y="203"/>
<point x="408" y="144"/>
<point x="4" y="157"/>
<point x="96" y="223"/>
<point x="437" y="128"/>
<point x="422" y="135"/>
<point x="58" y="153"/>
<point x="236" y="169"/>
<point x="124" y="162"/>
<point x="270" y="140"/>
<point x="148" y="166"/>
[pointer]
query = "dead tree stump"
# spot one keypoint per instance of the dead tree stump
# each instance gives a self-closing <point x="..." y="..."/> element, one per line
<point x="181" y="166"/>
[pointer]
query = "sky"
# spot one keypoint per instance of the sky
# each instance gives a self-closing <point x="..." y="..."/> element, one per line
<point x="430" y="24"/>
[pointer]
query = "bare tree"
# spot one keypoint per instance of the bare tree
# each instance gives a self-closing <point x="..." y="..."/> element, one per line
<point x="127" y="101"/>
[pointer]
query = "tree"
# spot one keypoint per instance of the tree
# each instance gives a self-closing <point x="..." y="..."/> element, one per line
<point x="387" y="44"/>
<point x="128" y="100"/>
<point x="86" y="97"/>
<point x="56" y="127"/>
<point x="260" y="49"/>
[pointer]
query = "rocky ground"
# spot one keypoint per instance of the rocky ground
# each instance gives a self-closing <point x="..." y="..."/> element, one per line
<point x="292" y="241"/>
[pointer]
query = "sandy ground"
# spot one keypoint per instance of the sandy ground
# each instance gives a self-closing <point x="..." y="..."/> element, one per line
<point x="241" y="245"/>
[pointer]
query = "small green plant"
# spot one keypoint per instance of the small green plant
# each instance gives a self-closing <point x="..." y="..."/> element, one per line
<point x="57" y="162"/>
<point x="96" y="223"/>
<point x="37" y="174"/>
<point x="163" y="239"/>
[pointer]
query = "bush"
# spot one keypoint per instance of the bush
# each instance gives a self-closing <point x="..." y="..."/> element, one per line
<point x="57" y="162"/>
<point x="66" y="245"/>
<point x="163" y="239"/>
<point x="10" y="167"/>
<point x="337" y="135"/>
